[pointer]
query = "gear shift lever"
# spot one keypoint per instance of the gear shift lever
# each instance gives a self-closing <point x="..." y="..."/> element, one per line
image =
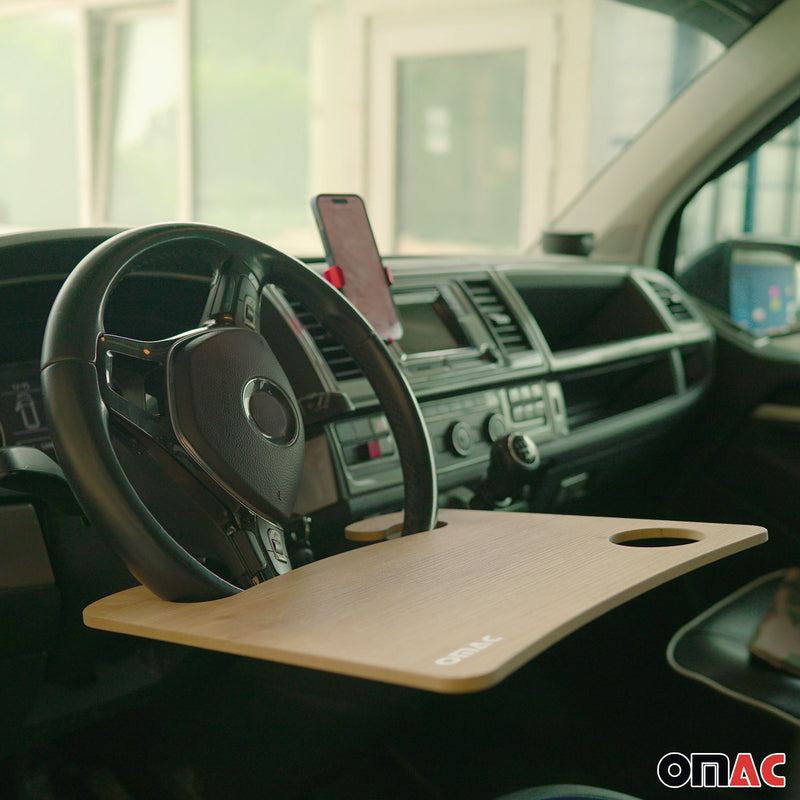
<point x="512" y="460"/>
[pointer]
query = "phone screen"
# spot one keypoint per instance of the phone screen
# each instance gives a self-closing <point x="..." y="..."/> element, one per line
<point x="350" y="245"/>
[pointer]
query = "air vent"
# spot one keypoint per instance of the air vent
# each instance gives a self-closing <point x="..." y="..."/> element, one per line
<point x="341" y="363"/>
<point x="672" y="299"/>
<point x="498" y="315"/>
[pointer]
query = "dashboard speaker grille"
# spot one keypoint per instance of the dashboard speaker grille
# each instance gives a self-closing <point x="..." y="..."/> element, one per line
<point x="498" y="316"/>
<point x="673" y="301"/>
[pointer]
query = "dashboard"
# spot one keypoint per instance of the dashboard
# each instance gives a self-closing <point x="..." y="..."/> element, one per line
<point x="597" y="364"/>
<point x="601" y="366"/>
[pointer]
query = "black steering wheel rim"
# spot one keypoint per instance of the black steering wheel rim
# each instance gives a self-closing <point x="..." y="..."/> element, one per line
<point x="71" y="378"/>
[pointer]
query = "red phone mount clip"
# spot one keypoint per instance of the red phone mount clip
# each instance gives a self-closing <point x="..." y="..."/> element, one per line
<point x="334" y="276"/>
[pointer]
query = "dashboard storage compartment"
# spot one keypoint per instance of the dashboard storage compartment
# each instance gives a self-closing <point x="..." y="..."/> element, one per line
<point x="598" y="394"/>
<point x="576" y="311"/>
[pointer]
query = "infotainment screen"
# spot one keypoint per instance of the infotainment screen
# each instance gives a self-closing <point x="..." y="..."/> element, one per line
<point x="429" y="324"/>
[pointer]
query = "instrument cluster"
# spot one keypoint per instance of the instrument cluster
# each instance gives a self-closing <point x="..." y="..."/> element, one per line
<point x="22" y="417"/>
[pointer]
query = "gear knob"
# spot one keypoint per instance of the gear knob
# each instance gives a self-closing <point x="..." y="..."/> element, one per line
<point x="512" y="460"/>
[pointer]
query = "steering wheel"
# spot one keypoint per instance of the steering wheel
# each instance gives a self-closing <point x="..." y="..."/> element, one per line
<point x="206" y="420"/>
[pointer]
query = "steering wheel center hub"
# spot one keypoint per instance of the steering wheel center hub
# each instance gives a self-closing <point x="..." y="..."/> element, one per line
<point x="270" y="411"/>
<point x="231" y="409"/>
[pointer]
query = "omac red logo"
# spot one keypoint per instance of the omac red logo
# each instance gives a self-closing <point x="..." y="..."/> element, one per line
<point x="717" y="771"/>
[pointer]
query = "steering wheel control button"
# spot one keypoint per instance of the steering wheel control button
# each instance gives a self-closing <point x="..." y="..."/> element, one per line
<point x="249" y="315"/>
<point x="270" y="411"/>
<point x="275" y="546"/>
<point x="460" y="439"/>
<point x="278" y="547"/>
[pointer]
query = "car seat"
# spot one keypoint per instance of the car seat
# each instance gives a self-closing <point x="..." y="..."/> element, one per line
<point x="714" y="649"/>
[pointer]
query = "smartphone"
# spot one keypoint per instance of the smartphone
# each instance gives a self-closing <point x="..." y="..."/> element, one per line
<point x="350" y="246"/>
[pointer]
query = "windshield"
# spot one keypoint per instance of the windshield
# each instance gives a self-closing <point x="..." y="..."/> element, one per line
<point x="466" y="129"/>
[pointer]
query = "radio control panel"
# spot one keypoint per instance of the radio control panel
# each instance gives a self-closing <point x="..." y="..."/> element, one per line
<point x="461" y="428"/>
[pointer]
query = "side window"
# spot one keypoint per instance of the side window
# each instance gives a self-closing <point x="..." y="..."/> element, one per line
<point x="739" y="239"/>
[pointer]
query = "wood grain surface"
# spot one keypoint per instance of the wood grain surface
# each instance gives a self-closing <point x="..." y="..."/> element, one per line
<point x="451" y="610"/>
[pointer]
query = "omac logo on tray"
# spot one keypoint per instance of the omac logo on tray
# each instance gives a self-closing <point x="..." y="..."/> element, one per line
<point x="457" y="656"/>
<point x="717" y="771"/>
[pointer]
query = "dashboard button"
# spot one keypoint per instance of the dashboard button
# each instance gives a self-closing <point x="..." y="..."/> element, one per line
<point x="380" y="424"/>
<point x="346" y="431"/>
<point x="363" y="428"/>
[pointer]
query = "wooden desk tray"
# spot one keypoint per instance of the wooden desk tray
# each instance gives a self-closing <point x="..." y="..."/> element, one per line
<point x="451" y="610"/>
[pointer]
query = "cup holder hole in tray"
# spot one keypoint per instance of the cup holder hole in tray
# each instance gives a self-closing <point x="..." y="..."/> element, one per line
<point x="656" y="537"/>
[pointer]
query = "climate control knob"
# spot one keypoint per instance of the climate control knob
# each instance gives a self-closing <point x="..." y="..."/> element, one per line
<point x="494" y="426"/>
<point x="459" y="439"/>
